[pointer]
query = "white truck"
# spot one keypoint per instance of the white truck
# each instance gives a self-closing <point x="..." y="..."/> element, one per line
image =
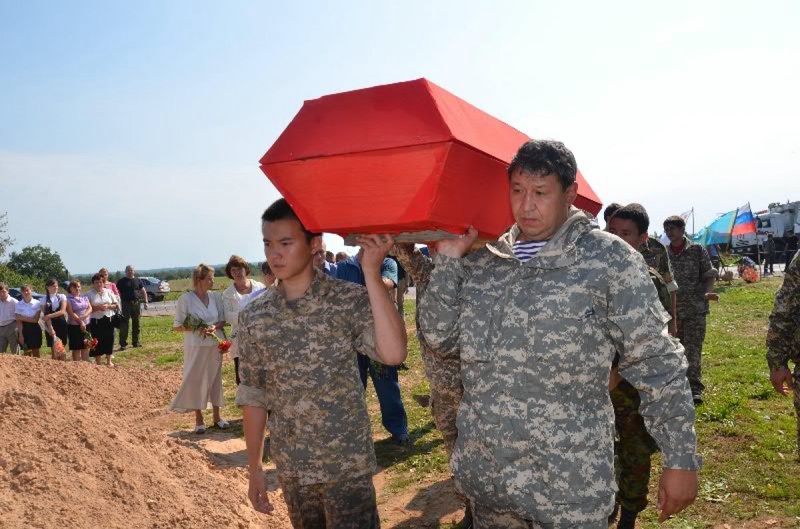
<point x="777" y="219"/>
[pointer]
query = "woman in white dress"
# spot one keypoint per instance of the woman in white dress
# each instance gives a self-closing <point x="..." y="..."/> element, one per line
<point x="235" y="297"/>
<point x="202" y="361"/>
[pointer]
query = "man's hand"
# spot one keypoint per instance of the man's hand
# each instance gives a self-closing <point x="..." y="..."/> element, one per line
<point x="676" y="491"/>
<point x="376" y="248"/>
<point x="458" y="247"/>
<point x="781" y="380"/>
<point x="257" y="492"/>
<point x="712" y="296"/>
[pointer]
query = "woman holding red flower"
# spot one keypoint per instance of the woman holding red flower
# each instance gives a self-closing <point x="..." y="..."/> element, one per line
<point x="200" y="316"/>
<point x="79" y="311"/>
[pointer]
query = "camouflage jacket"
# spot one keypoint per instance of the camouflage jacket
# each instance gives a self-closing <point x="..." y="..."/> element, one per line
<point x="783" y="336"/>
<point x="535" y="426"/>
<point x="662" y="289"/>
<point x="691" y="268"/>
<point x="298" y="359"/>
<point x="656" y="257"/>
<point x="419" y="267"/>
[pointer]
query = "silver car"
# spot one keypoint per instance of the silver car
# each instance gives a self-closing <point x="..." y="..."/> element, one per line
<point x="156" y="289"/>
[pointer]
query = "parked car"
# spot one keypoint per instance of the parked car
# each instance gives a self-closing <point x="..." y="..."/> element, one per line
<point x="156" y="289"/>
<point x="16" y="293"/>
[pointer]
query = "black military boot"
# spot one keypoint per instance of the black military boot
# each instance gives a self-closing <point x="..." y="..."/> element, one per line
<point x="466" y="522"/>
<point x="627" y="519"/>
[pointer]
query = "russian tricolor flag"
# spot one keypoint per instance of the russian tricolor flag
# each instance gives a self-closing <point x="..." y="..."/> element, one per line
<point x="744" y="223"/>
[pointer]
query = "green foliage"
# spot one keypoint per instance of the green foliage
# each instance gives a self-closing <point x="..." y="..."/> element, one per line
<point x="14" y="279"/>
<point x="38" y="261"/>
<point x="5" y="240"/>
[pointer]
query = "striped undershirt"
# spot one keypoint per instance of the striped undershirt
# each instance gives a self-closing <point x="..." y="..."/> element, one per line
<point x="524" y="250"/>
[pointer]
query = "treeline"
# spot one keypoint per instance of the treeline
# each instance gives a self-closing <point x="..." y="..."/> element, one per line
<point x="166" y="274"/>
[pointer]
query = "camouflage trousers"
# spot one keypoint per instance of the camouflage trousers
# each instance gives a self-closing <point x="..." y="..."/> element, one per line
<point x="486" y="518"/>
<point x="345" y="504"/>
<point x="633" y="450"/>
<point x="446" y="392"/>
<point x="796" y="377"/>
<point x="692" y="334"/>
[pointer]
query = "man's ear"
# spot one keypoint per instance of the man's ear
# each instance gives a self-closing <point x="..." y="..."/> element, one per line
<point x="572" y="192"/>
<point x="316" y="244"/>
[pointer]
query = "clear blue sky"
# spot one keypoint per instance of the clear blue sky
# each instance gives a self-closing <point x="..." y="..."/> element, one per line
<point x="131" y="132"/>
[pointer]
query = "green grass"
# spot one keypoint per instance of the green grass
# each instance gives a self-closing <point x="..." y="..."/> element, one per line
<point x="746" y="430"/>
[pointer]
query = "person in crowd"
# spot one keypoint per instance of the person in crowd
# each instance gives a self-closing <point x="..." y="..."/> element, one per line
<point x="783" y="338"/>
<point x="8" y="322"/>
<point x="695" y="277"/>
<point x="234" y="298"/>
<point x="322" y="263"/>
<point x="269" y="280"/>
<point x="27" y="313"/>
<point x="341" y="256"/>
<point x="79" y="314"/>
<point x="104" y="304"/>
<point x="790" y="245"/>
<point x="538" y="317"/>
<point x="402" y="287"/>
<point x="330" y="257"/>
<point x="443" y="371"/>
<point x="131" y="294"/>
<point x="106" y="283"/>
<point x="199" y="314"/>
<point x="54" y="315"/>
<point x="298" y="343"/>
<point x="385" y="379"/>
<point x="632" y="225"/>
<point x="635" y="448"/>
<point x="769" y="255"/>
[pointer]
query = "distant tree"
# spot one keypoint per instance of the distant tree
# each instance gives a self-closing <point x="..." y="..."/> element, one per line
<point x="5" y="240"/>
<point x="38" y="261"/>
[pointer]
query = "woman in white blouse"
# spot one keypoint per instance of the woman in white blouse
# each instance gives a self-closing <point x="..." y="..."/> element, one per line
<point x="235" y="297"/>
<point x="202" y="361"/>
<point x="104" y="304"/>
<point x="27" y="313"/>
<point x="54" y="310"/>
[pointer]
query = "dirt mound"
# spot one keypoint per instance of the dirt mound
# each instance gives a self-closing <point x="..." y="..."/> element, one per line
<point x="85" y="446"/>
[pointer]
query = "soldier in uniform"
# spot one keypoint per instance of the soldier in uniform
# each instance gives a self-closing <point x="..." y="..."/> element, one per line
<point x="695" y="275"/>
<point x="783" y="338"/>
<point x="298" y="344"/>
<point x="443" y="371"/>
<point x="630" y="223"/>
<point x="538" y="316"/>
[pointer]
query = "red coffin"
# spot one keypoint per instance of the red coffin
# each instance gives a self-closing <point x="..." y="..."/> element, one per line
<point x="403" y="157"/>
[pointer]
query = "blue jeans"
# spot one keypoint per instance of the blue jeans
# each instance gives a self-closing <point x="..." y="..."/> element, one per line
<point x="393" y="414"/>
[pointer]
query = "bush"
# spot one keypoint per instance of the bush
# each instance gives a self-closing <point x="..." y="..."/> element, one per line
<point x="14" y="279"/>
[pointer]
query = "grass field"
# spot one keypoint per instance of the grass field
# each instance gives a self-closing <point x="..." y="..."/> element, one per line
<point x="746" y="430"/>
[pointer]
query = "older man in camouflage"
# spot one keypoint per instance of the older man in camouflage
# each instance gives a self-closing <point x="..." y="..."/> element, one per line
<point x="444" y="370"/>
<point x="696" y="277"/>
<point x="538" y="317"/>
<point x="783" y="338"/>
<point x="630" y="223"/>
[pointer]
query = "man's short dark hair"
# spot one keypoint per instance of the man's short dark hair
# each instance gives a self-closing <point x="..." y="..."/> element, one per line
<point x="635" y="213"/>
<point x="544" y="157"/>
<point x="675" y="220"/>
<point x="281" y="210"/>
<point x="610" y="210"/>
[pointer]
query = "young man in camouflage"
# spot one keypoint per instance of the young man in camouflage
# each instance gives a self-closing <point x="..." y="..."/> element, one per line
<point x="630" y="223"/>
<point x="298" y="343"/>
<point x="696" y="277"/>
<point x="443" y="371"/>
<point x="538" y="316"/>
<point x="783" y="338"/>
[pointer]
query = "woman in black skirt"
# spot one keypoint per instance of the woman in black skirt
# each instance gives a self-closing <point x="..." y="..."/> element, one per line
<point x="104" y="304"/>
<point x="27" y="313"/>
<point x="54" y="308"/>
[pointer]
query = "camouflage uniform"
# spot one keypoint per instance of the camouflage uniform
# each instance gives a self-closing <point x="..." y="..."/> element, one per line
<point x="537" y="340"/>
<point x="298" y="360"/>
<point x="692" y="267"/>
<point x="783" y="336"/>
<point x="635" y="445"/>
<point x="443" y="372"/>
